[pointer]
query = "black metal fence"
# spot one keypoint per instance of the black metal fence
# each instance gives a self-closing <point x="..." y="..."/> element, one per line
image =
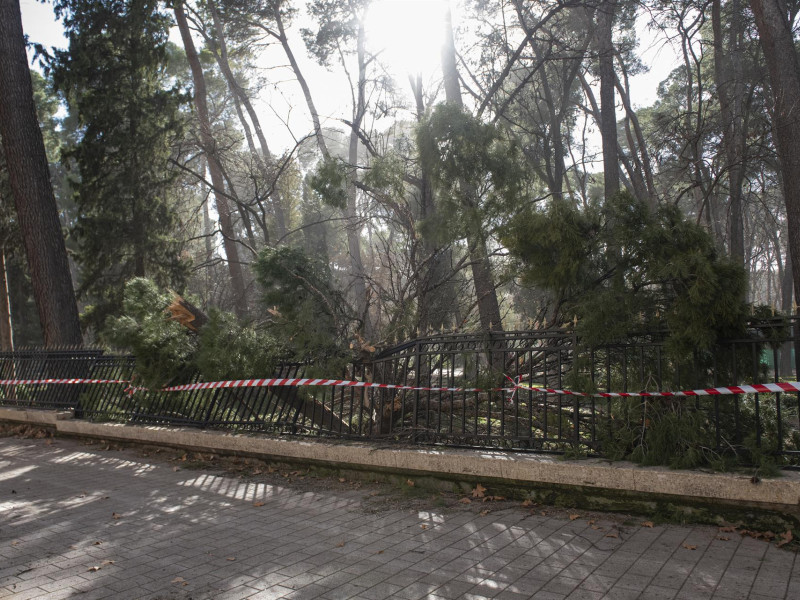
<point x="519" y="420"/>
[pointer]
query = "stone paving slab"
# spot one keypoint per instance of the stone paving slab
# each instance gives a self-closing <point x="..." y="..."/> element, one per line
<point x="78" y="522"/>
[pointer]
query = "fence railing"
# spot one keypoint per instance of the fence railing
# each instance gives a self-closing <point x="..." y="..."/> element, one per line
<point x="516" y="420"/>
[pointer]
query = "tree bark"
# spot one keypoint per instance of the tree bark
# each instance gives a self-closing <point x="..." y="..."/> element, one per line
<point x="214" y="166"/>
<point x="485" y="290"/>
<point x="6" y="329"/>
<point x="730" y="92"/>
<point x="436" y="290"/>
<point x="323" y="147"/>
<point x="358" y="274"/>
<point x="783" y="64"/>
<point x="281" y="223"/>
<point x="608" y="111"/>
<point x="30" y="185"/>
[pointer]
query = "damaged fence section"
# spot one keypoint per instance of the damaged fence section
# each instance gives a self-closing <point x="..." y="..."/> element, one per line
<point x="492" y="406"/>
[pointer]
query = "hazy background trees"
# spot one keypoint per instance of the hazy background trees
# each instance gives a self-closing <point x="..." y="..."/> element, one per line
<point x="228" y="148"/>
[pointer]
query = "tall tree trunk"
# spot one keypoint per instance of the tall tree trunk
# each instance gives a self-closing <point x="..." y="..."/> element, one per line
<point x="214" y="166"/>
<point x="358" y="275"/>
<point x="323" y="147"/>
<point x="483" y="279"/>
<point x="637" y="142"/>
<point x="238" y="91"/>
<point x="730" y="92"/>
<point x="30" y="185"/>
<point x="6" y="330"/>
<point x="435" y="301"/>
<point x="777" y="42"/>
<point x="608" y="112"/>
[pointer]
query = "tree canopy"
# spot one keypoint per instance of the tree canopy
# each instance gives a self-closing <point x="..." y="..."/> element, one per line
<point x="276" y="164"/>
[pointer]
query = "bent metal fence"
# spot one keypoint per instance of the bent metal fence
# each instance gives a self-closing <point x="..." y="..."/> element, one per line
<point x="515" y="418"/>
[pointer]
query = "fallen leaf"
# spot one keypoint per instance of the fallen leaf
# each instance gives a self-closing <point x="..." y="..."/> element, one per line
<point x="723" y="538"/>
<point x="116" y="515"/>
<point x="597" y="527"/>
<point x="647" y="524"/>
<point x="786" y="537"/>
<point x="379" y="552"/>
<point x="176" y="468"/>
<point x="94" y="568"/>
<point x="180" y="580"/>
<point x="590" y="522"/>
<point x="295" y="473"/>
<point x="342" y="479"/>
<point x="97" y="543"/>
<point x="231" y="558"/>
<point x="259" y="503"/>
<point x="728" y="529"/>
<point x="270" y="470"/>
<point x="465" y="501"/>
<point x="423" y="526"/>
<point x="373" y="494"/>
<point x="479" y="491"/>
<point x="410" y="483"/>
<point x="184" y="457"/>
<point x="544" y="513"/>
<point x="689" y="546"/>
<point x="527" y="503"/>
<point x="768" y="535"/>
<point x="107" y="562"/>
<point x="573" y="517"/>
<point x="15" y="542"/>
<point x="340" y="544"/>
<point x="612" y="534"/>
<point x="483" y="513"/>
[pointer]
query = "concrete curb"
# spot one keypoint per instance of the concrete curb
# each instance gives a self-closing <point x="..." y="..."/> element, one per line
<point x="782" y="495"/>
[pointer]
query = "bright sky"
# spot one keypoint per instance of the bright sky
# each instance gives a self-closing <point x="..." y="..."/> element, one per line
<point x="409" y="35"/>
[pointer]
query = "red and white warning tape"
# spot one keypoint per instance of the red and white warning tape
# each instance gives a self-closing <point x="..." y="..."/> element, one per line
<point x="320" y="382"/>
<point x="61" y="381"/>
<point x="760" y="388"/>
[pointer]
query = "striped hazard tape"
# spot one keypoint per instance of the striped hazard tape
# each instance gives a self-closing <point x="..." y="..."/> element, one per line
<point x="759" y="388"/>
<point x="59" y="381"/>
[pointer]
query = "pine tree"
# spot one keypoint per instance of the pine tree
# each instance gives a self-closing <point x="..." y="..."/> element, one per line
<point x="622" y="269"/>
<point x="30" y="186"/>
<point x="113" y="78"/>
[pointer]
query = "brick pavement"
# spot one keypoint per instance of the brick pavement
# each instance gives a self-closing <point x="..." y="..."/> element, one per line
<point x="160" y="533"/>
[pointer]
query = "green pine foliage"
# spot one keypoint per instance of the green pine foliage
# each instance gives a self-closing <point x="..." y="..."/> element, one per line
<point x="228" y="350"/>
<point x="329" y="182"/>
<point x="163" y="348"/>
<point x="624" y="269"/>
<point x="168" y="353"/>
<point x="464" y="153"/>
<point x="308" y="314"/>
<point x="113" y="77"/>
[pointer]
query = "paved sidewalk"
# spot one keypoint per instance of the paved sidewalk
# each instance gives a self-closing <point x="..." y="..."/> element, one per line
<point x="80" y="522"/>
